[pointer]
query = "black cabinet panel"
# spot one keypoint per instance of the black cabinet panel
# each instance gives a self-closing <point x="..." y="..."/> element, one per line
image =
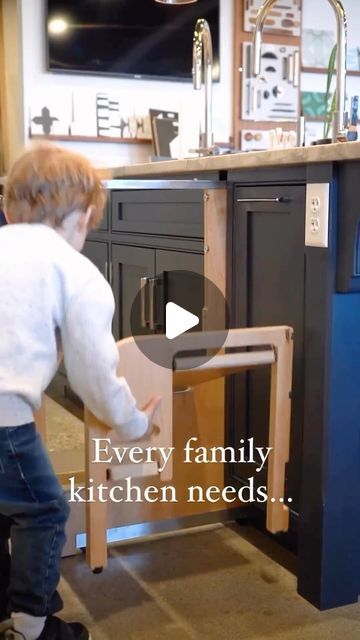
<point x="268" y="289"/>
<point x="174" y="212"/>
<point x="129" y="265"/>
<point x="181" y="276"/>
<point x="97" y="252"/>
<point x="348" y="258"/>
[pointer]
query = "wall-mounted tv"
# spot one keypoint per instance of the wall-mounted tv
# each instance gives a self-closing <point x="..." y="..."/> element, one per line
<point x="137" y="38"/>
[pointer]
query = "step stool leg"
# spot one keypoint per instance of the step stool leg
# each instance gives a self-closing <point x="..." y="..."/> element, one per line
<point x="96" y="512"/>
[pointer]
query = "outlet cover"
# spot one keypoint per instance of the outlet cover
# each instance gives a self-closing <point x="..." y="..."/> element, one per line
<point x="317" y="215"/>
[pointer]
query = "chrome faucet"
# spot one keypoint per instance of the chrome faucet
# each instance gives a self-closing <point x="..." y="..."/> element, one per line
<point x="202" y="48"/>
<point x="340" y="117"/>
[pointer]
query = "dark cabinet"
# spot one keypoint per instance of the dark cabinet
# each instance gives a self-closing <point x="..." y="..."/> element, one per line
<point x="268" y="281"/>
<point x="160" y="273"/>
<point x="146" y="237"/>
<point x="98" y="253"/>
<point x="129" y="265"/>
<point x="175" y="212"/>
<point x="179" y="275"/>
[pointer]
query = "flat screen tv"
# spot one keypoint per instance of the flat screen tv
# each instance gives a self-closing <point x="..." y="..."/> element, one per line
<point x="137" y="38"/>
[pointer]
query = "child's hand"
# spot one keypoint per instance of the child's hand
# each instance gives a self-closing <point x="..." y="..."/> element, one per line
<point x="149" y="409"/>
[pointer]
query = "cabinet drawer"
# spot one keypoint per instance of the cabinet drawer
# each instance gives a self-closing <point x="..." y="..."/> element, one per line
<point x="173" y="213"/>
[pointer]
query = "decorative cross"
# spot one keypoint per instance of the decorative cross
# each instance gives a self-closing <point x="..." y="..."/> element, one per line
<point x="46" y="120"/>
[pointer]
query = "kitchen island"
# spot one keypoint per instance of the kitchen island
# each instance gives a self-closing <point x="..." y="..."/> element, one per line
<point x="286" y="244"/>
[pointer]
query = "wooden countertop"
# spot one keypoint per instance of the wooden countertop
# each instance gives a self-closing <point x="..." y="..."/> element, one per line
<point x="338" y="152"/>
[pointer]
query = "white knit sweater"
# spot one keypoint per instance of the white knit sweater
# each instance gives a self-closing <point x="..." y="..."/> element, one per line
<point x="48" y="289"/>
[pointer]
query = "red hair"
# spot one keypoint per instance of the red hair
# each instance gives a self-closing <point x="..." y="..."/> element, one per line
<point x="47" y="183"/>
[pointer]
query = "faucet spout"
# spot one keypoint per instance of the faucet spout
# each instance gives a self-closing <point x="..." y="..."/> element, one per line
<point x="262" y="14"/>
<point x="340" y="116"/>
<point x="202" y="50"/>
<point x="339" y="120"/>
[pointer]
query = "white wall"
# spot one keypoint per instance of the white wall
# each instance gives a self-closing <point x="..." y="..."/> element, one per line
<point x="318" y="14"/>
<point x="13" y="78"/>
<point x="157" y="94"/>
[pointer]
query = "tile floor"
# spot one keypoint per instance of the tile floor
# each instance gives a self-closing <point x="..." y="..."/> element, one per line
<point x="212" y="583"/>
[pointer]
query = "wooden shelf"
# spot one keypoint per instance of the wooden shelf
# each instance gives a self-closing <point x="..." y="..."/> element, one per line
<point x="314" y="118"/>
<point x="319" y="119"/>
<point x="323" y="71"/>
<point x="264" y="125"/>
<point x="92" y="139"/>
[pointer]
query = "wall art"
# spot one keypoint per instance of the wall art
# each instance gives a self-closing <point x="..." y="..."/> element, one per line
<point x="284" y="17"/>
<point x="274" y="95"/>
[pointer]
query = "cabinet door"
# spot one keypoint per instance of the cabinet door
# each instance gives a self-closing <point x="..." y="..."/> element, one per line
<point x="268" y="289"/>
<point x="97" y="252"/>
<point x="185" y="289"/>
<point x="129" y="265"/>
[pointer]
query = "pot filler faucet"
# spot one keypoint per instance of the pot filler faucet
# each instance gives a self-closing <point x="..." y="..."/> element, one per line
<point x="340" y="117"/>
<point x="202" y="48"/>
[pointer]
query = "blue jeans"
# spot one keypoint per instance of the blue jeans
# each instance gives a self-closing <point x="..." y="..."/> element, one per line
<point x="33" y="513"/>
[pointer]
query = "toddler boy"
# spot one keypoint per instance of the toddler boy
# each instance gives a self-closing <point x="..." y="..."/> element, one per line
<point x="50" y="294"/>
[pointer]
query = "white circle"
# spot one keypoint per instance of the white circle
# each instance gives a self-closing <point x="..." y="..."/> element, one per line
<point x="58" y="26"/>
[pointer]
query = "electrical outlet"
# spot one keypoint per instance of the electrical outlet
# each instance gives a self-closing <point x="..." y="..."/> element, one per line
<point x="317" y="215"/>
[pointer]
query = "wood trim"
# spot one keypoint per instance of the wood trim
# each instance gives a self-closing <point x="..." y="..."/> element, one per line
<point x="268" y="124"/>
<point x="4" y="137"/>
<point x="96" y="512"/>
<point x="238" y="21"/>
<point x="323" y="71"/>
<point x="215" y="225"/>
<point x="59" y="138"/>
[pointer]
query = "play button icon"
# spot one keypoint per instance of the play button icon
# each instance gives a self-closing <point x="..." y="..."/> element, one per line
<point x="176" y="305"/>
<point x="178" y="320"/>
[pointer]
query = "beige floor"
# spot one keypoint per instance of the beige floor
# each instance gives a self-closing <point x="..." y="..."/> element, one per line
<point x="220" y="582"/>
<point x="65" y="432"/>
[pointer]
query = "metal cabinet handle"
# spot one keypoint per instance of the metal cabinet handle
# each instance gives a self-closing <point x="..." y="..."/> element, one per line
<point x="291" y="68"/>
<point x="108" y="272"/>
<point x="182" y="391"/>
<point x="143" y="284"/>
<point x="296" y="68"/>
<point x="253" y="200"/>
<point x="152" y="320"/>
<point x="153" y="323"/>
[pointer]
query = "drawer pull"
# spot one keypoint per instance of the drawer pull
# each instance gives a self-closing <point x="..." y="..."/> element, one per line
<point x="182" y="391"/>
<point x="253" y="200"/>
<point x="153" y="322"/>
<point x="143" y="284"/>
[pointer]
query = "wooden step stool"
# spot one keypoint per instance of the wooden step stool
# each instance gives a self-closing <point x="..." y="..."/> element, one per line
<point x="271" y="346"/>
